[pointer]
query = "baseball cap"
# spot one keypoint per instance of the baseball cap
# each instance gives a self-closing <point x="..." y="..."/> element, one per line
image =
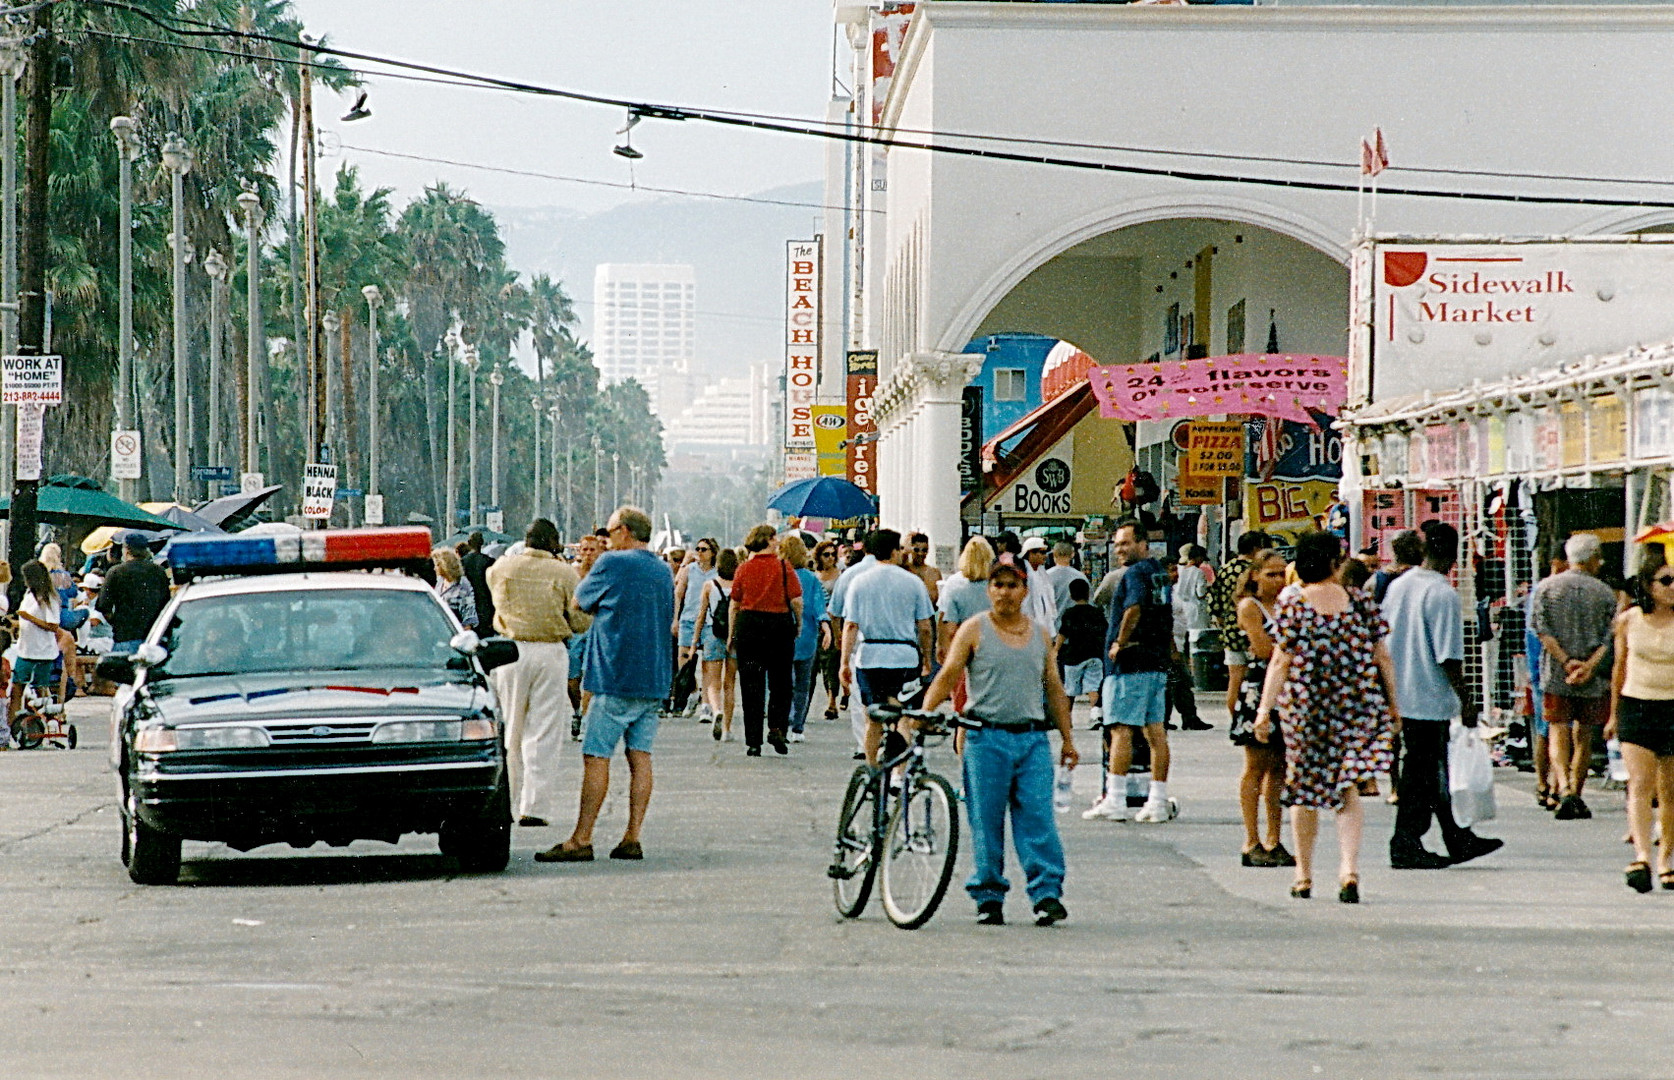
<point x="1034" y="543"/>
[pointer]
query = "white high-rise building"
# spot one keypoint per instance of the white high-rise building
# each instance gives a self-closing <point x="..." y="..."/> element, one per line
<point x="643" y="320"/>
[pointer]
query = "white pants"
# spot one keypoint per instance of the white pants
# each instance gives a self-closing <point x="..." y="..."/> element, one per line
<point x="859" y="722"/>
<point x="535" y="705"/>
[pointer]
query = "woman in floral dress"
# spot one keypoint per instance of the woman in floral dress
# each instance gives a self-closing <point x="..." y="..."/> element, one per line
<point x="1334" y="685"/>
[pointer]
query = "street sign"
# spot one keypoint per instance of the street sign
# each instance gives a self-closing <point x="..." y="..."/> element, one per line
<point x="348" y="493"/>
<point x="202" y="473"/>
<point x="374" y="510"/>
<point x="125" y="455"/>
<point x="251" y="482"/>
<point x="319" y="484"/>
<point x="229" y="487"/>
<point x="495" y="520"/>
<point x="31" y="380"/>
<point x="29" y="418"/>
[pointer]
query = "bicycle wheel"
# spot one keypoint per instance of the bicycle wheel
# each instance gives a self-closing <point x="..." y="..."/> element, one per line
<point x="30" y="732"/>
<point x="919" y="851"/>
<point x="852" y="864"/>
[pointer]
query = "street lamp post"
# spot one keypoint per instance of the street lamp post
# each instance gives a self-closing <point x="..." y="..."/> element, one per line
<point x="596" y="459"/>
<point x="216" y="268"/>
<point x="452" y="521"/>
<point x="255" y="332"/>
<point x="569" y="489"/>
<point x="471" y="359"/>
<point x="330" y="322"/>
<point x="615" y="479"/>
<point x="540" y="422"/>
<point x="496" y="380"/>
<point x="178" y="158"/>
<point x="127" y="148"/>
<point x="374" y="301"/>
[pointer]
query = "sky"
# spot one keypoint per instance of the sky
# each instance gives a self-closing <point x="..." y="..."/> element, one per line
<point x="769" y="56"/>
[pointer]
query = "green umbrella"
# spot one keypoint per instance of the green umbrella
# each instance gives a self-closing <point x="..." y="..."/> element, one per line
<point x="65" y="505"/>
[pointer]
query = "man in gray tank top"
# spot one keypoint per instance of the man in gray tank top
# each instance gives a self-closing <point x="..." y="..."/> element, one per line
<point x="1013" y="697"/>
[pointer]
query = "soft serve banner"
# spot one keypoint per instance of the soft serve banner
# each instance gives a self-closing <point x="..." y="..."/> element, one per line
<point x="1287" y="385"/>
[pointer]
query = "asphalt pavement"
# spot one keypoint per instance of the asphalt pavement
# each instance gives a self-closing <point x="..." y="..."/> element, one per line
<point x="721" y="954"/>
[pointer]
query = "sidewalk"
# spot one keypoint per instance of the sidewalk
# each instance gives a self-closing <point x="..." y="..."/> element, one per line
<point x="1551" y="875"/>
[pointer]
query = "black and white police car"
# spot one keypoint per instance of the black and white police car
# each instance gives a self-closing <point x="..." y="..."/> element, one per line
<point x="291" y="693"/>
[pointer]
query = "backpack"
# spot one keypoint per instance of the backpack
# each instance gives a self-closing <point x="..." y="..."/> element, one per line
<point x="720" y="618"/>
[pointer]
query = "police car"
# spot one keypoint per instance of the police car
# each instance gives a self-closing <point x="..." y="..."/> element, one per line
<point x="290" y="693"/>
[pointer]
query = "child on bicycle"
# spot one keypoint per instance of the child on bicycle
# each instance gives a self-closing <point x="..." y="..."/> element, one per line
<point x="1014" y="697"/>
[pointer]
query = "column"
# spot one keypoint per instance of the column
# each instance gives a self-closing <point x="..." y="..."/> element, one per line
<point x="941" y="379"/>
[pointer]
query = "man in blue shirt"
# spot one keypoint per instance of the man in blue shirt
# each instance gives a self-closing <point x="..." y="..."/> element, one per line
<point x="1140" y="652"/>
<point x="630" y="594"/>
<point x="1427" y="645"/>
<point x="887" y="639"/>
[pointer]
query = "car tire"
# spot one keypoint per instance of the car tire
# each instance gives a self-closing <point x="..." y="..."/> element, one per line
<point x="482" y="844"/>
<point x="153" y="857"/>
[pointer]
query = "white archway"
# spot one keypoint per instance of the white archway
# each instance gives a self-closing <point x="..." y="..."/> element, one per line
<point x="1285" y="222"/>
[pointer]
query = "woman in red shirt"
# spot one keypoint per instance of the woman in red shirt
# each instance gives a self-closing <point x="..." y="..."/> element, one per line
<point x="766" y="612"/>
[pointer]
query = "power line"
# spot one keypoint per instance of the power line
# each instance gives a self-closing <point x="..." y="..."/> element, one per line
<point x="784" y="126"/>
<point x="685" y="192"/>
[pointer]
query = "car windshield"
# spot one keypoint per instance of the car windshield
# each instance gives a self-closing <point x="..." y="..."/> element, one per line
<point x="306" y="630"/>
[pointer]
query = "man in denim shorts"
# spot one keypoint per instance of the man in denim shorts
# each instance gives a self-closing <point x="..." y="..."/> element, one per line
<point x="630" y="594"/>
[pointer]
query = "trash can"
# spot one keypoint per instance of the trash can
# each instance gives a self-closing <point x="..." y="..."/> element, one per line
<point x="1208" y="659"/>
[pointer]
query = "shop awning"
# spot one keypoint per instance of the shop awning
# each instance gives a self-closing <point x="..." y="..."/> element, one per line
<point x="1008" y="454"/>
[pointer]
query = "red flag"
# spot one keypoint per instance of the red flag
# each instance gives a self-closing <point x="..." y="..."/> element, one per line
<point x="1380" y="151"/>
<point x="1367" y="160"/>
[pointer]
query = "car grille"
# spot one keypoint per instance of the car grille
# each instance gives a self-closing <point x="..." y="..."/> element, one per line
<point x="320" y="733"/>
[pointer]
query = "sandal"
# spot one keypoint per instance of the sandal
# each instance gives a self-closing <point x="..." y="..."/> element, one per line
<point x="1349" y="891"/>
<point x="1667" y="879"/>
<point x="1545" y="798"/>
<point x="1302" y="890"/>
<point x="1639" y="877"/>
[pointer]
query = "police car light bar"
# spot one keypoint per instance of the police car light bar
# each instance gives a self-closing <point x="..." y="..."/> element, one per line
<point x="328" y="549"/>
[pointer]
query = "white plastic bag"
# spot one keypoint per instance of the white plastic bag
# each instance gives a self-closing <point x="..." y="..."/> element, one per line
<point x="1470" y="777"/>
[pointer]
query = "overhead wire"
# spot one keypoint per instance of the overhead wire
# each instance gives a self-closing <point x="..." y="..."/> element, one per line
<point x="779" y="125"/>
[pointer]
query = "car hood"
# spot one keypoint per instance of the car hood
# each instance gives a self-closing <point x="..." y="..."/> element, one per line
<point x="292" y="695"/>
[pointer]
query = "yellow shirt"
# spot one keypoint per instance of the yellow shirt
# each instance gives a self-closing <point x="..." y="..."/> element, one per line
<point x="534" y="597"/>
<point x="1650" y="659"/>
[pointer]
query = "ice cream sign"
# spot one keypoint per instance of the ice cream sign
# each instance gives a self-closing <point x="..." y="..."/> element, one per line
<point x="1444" y="314"/>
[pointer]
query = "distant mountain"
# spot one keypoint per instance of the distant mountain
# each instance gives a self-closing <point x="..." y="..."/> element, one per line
<point x="737" y="248"/>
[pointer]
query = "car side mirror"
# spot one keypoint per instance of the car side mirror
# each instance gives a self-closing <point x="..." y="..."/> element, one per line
<point x="116" y="668"/>
<point x="465" y="643"/>
<point x="149" y="655"/>
<point x="496" y="652"/>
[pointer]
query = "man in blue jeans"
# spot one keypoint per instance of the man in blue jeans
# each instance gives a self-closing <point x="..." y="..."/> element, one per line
<point x="630" y="594"/>
<point x="1014" y="697"/>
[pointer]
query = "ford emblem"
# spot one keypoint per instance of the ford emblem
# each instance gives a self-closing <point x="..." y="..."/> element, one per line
<point x="319" y="731"/>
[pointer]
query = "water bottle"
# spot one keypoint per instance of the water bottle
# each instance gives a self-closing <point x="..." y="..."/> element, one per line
<point x="1618" y="770"/>
<point x="1063" y="790"/>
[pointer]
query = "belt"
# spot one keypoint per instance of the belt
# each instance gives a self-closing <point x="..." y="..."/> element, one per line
<point x="976" y="722"/>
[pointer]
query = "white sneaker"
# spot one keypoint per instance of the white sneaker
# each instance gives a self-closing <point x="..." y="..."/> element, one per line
<point x="796" y="736"/>
<point x="703" y="716"/>
<point x="1158" y="812"/>
<point x="1107" y="809"/>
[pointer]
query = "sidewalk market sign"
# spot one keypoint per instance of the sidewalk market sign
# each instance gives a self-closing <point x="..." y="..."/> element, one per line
<point x="1286" y="385"/>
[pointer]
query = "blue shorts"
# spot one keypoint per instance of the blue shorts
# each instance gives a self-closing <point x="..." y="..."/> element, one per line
<point x="33" y="672"/>
<point x="1137" y="699"/>
<point x="1084" y="678"/>
<point x="612" y="719"/>
<point x="688" y="631"/>
<point x="714" y="649"/>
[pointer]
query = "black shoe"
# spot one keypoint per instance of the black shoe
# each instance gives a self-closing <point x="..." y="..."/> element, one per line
<point x="1049" y="911"/>
<point x="1474" y="847"/>
<point x="1571" y="808"/>
<point x="1639" y="877"/>
<point x="778" y="744"/>
<point x="991" y="913"/>
<point x="1279" y="856"/>
<point x="754" y="751"/>
<point x="860" y="755"/>
<point x="1195" y="724"/>
<point x="529" y="822"/>
<point x="1417" y="859"/>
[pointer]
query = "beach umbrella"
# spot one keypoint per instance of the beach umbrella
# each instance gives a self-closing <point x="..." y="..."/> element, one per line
<point x="823" y="496"/>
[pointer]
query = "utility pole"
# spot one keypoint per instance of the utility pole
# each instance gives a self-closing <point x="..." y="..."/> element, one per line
<point x="178" y="158"/>
<point x="374" y="301"/>
<point x="471" y="487"/>
<point x="255" y="333"/>
<point x="310" y="366"/>
<point x="32" y="261"/>
<point x="216" y="268"/>
<point x="127" y="148"/>
<point x="495" y="379"/>
<point x="540" y="422"/>
<point x="452" y="521"/>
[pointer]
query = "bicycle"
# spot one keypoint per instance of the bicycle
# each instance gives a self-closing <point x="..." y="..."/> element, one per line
<point x="903" y="824"/>
<point x="40" y="722"/>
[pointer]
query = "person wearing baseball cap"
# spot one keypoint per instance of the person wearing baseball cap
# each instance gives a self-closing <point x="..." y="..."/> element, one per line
<point x="1037" y="603"/>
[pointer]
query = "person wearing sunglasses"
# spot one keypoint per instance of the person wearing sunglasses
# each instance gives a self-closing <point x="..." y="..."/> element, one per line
<point x="1642" y="717"/>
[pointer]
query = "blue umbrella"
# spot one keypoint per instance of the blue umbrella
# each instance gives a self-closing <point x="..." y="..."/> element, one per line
<point x="823" y="496"/>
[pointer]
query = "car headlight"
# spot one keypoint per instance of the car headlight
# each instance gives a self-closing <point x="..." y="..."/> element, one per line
<point x="404" y="731"/>
<point x="162" y="740"/>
